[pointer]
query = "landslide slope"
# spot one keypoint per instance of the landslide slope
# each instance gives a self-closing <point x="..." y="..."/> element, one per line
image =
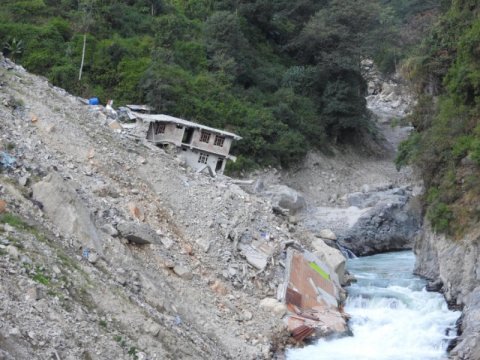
<point x="72" y="287"/>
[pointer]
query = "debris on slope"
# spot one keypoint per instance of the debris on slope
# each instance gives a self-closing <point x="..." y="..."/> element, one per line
<point x="133" y="254"/>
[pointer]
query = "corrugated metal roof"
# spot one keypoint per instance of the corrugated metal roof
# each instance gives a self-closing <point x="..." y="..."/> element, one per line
<point x="171" y="119"/>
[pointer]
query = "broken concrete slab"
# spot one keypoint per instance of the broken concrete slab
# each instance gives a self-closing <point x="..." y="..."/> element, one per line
<point x="254" y="257"/>
<point x="141" y="234"/>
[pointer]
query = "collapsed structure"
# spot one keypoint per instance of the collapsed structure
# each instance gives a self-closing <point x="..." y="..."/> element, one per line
<point x="201" y="146"/>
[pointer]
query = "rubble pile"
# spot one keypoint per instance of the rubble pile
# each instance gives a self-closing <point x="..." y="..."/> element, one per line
<point x="112" y="248"/>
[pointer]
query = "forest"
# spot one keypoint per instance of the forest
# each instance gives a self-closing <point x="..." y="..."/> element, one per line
<point x="445" y="146"/>
<point x="285" y="75"/>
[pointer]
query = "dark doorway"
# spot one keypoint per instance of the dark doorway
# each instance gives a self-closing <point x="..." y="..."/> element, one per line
<point x="219" y="165"/>
<point x="187" y="136"/>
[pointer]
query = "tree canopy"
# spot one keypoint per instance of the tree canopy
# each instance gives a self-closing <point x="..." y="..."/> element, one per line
<point x="283" y="74"/>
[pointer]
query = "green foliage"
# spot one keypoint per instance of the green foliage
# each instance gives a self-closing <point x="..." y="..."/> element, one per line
<point x="13" y="220"/>
<point x="408" y="151"/>
<point x="13" y="48"/>
<point x="446" y="143"/>
<point x="39" y="275"/>
<point x="285" y="75"/>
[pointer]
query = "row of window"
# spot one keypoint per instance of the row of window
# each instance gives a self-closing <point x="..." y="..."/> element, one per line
<point x="159" y="128"/>
<point x="205" y="137"/>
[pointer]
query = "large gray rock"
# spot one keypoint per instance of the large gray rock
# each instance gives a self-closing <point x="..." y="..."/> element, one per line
<point x="468" y="344"/>
<point x="284" y="197"/>
<point x="454" y="263"/>
<point x="67" y="211"/>
<point x="138" y="233"/>
<point x="391" y="221"/>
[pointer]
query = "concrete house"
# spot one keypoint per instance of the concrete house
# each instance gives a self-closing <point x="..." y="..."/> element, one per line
<point x="201" y="146"/>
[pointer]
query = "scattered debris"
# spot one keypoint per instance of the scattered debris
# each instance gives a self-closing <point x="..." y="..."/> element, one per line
<point x="312" y="297"/>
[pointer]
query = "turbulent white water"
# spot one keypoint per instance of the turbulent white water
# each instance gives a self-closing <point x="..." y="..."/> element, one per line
<point x="393" y="316"/>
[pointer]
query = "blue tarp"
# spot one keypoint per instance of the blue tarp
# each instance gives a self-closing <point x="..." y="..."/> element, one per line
<point x="93" y="101"/>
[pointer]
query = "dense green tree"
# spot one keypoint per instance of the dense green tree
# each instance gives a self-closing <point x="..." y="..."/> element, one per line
<point x="283" y="74"/>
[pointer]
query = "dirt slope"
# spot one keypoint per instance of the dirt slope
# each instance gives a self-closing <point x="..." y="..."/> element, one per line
<point x="73" y="288"/>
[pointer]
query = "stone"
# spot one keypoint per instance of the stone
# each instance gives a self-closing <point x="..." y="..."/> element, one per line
<point x="332" y="257"/>
<point x="247" y="315"/>
<point x="32" y="294"/>
<point x="92" y="257"/>
<point x="219" y="288"/>
<point x="25" y="260"/>
<point x="254" y="257"/>
<point x="91" y="154"/>
<point x="67" y="211"/>
<point x="3" y="206"/>
<point x="138" y="233"/>
<point x="110" y="230"/>
<point x="391" y="220"/>
<point x="136" y="212"/>
<point x="23" y="181"/>
<point x="152" y="327"/>
<point x="166" y="242"/>
<point x="274" y="306"/>
<point x="8" y="228"/>
<point x="12" y="251"/>
<point x="284" y="197"/>
<point x="327" y="234"/>
<point x="183" y="272"/>
<point x="14" y="332"/>
<point x="204" y="244"/>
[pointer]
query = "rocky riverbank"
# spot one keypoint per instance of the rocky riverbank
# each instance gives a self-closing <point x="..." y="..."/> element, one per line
<point x="369" y="205"/>
<point x="452" y="268"/>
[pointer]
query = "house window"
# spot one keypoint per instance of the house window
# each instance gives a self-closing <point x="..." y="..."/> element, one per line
<point x="219" y="140"/>
<point x="158" y="128"/>
<point x="205" y="137"/>
<point x="203" y="158"/>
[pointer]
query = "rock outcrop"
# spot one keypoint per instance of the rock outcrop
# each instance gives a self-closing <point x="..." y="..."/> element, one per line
<point x="392" y="222"/>
<point x="454" y="265"/>
<point x="376" y="221"/>
<point x="66" y="210"/>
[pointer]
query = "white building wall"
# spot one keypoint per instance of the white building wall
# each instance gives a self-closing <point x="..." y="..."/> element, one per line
<point x="191" y="158"/>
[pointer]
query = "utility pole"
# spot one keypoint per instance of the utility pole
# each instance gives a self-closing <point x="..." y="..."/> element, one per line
<point x="86" y="7"/>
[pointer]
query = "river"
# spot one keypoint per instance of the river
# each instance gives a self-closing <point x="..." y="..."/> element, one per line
<point x="393" y="316"/>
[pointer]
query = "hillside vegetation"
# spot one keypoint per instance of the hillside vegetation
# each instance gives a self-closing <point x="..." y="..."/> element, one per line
<point x="283" y="74"/>
<point x="446" y="143"/>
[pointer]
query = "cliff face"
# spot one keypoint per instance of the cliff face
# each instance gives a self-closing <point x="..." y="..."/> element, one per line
<point x="452" y="266"/>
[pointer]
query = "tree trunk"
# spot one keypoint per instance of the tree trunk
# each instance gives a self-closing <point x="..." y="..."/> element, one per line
<point x="83" y="56"/>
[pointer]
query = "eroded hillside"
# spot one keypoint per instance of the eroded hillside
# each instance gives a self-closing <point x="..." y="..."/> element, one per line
<point x="111" y="249"/>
